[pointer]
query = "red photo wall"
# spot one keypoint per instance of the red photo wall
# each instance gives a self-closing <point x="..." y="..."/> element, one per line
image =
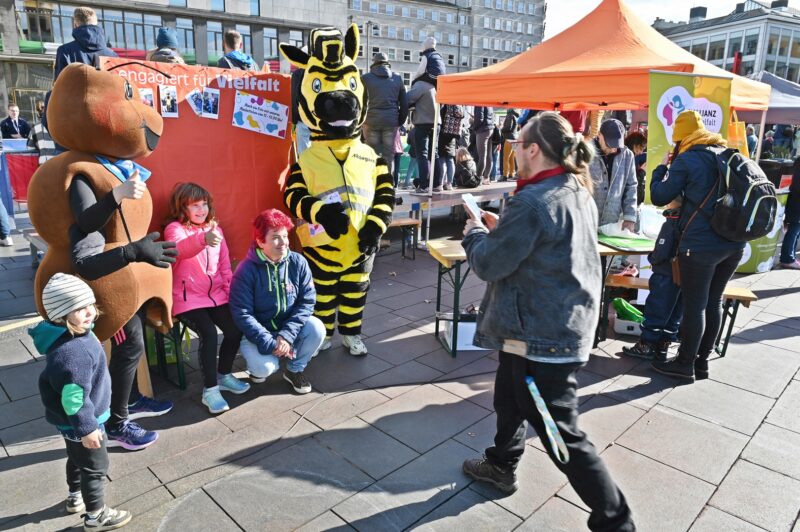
<point x="244" y="170"/>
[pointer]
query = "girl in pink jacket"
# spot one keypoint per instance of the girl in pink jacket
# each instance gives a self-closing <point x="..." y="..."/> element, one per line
<point x="201" y="280"/>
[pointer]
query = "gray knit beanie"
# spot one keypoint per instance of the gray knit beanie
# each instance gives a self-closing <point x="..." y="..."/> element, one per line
<point x="65" y="293"/>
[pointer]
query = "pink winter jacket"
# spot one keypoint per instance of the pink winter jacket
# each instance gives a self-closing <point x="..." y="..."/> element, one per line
<point x="201" y="277"/>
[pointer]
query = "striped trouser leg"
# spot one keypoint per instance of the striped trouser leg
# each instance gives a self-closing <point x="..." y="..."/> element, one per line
<point x="326" y="284"/>
<point x="353" y="287"/>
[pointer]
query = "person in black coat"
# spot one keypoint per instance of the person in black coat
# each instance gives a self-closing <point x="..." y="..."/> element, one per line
<point x="89" y="42"/>
<point x="14" y="127"/>
<point x="791" y="222"/>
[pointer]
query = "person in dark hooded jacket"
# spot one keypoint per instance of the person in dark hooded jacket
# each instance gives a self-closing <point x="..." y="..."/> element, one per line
<point x="388" y="107"/>
<point x="89" y="44"/>
<point x="167" y="48"/>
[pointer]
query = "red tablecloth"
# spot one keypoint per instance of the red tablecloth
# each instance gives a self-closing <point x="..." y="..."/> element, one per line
<point x="21" y="167"/>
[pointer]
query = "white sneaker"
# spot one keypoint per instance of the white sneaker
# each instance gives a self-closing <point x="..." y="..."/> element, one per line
<point x="354" y="343"/>
<point x="7" y="241"/>
<point x="327" y="344"/>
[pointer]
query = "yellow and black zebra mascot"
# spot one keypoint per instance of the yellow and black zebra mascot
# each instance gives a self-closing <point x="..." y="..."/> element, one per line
<point x="339" y="188"/>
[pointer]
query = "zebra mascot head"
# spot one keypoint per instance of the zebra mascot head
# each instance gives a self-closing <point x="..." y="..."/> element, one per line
<point x="332" y="101"/>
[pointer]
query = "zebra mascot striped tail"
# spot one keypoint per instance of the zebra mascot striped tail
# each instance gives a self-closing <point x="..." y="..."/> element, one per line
<point x="339" y="189"/>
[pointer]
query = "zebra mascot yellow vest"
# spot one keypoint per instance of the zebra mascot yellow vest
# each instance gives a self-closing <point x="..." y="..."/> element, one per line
<point x="339" y="189"/>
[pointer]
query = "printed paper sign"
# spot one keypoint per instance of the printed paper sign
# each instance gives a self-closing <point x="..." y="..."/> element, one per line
<point x="260" y="115"/>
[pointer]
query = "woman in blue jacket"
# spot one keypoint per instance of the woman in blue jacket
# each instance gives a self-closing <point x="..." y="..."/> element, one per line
<point x="707" y="261"/>
<point x="272" y="298"/>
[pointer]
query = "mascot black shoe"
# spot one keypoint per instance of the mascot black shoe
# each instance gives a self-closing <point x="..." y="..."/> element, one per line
<point x="339" y="189"/>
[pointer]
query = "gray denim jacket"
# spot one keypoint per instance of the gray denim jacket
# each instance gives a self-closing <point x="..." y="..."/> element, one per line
<point x="615" y="197"/>
<point x="543" y="272"/>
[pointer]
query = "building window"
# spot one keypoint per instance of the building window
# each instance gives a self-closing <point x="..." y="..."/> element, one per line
<point x="406" y="78"/>
<point x="376" y="50"/>
<point x="509" y="25"/>
<point x="247" y="39"/>
<point x="356" y="5"/>
<point x="734" y="44"/>
<point x="699" y="47"/>
<point x="451" y="39"/>
<point x="530" y="28"/>
<point x="517" y="47"/>
<point x="296" y="38"/>
<point x="487" y="4"/>
<point x="360" y="50"/>
<point x="214" y="41"/>
<point x="185" y="31"/>
<point x="498" y="4"/>
<point x="391" y="32"/>
<point x="390" y="9"/>
<point x="420" y="13"/>
<point x="498" y="44"/>
<point x="494" y="61"/>
<point x="462" y="20"/>
<point x="177" y="3"/>
<point x="509" y="5"/>
<point x="391" y="53"/>
<point x="486" y="44"/>
<point x="406" y="11"/>
<point x="507" y="46"/>
<point x="487" y="23"/>
<point x="217" y="5"/>
<point x="464" y="60"/>
<point x="270" y="43"/>
<point x="531" y="9"/>
<point x="521" y="8"/>
<point x="255" y="8"/>
<point x="498" y="24"/>
<point x="485" y="62"/>
<point x="716" y="48"/>
<point x="373" y="7"/>
<point x="519" y="27"/>
<point x="376" y="30"/>
<point x="465" y="41"/>
<point x="450" y="18"/>
<point x="435" y="16"/>
<point x="751" y="42"/>
<point x="408" y="34"/>
<point x="406" y="55"/>
<point x="451" y="59"/>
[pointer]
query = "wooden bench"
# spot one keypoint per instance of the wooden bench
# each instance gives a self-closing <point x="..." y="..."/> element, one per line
<point x="409" y="227"/>
<point x="733" y="296"/>
<point x="38" y="245"/>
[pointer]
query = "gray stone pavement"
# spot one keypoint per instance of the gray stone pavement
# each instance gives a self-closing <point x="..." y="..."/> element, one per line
<point x="379" y="444"/>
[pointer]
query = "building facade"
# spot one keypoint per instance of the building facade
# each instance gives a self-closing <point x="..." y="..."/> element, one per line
<point x="32" y="30"/>
<point x="767" y="34"/>
<point x="470" y="33"/>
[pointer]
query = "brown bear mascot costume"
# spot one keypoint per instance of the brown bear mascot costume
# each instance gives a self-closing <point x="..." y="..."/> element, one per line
<point x="91" y="206"/>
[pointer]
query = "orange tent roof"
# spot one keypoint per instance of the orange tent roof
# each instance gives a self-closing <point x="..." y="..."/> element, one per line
<point x="602" y="62"/>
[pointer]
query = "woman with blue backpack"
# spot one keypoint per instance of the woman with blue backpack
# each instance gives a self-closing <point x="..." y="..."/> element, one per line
<point x="706" y="260"/>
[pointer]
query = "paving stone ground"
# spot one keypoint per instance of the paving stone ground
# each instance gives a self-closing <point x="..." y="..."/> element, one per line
<point x="379" y="444"/>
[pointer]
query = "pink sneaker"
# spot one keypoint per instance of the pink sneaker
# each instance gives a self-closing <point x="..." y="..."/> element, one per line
<point x="791" y="265"/>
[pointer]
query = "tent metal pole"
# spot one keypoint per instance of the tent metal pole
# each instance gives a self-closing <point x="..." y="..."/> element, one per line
<point x="761" y="134"/>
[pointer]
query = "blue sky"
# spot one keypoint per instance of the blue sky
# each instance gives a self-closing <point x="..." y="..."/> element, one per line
<point x="562" y="14"/>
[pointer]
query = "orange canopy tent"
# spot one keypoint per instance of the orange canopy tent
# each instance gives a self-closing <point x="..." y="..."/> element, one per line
<point x="602" y="62"/>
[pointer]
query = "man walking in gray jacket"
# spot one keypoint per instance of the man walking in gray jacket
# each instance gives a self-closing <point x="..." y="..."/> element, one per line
<point x="388" y="107"/>
<point x="614" y="175"/>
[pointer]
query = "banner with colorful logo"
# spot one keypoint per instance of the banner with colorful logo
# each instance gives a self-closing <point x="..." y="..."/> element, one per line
<point x="673" y="93"/>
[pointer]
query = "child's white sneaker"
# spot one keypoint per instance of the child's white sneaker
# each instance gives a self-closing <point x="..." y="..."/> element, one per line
<point x="107" y="519"/>
<point x="354" y="343"/>
<point x="75" y="503"/>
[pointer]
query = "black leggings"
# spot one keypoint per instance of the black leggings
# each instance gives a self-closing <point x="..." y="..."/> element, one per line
<point x="204" y="321"/>
<point x="127" y="346"/>
<point x="86" y="472"/>
<point x="704" y="275"/>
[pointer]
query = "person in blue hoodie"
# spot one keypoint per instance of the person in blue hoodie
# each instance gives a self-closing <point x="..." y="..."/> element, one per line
<point x="75" y="388"/>
<point x="234" y="57"/>
<point x="89" y="41"/>
<point x="272" y="300"/>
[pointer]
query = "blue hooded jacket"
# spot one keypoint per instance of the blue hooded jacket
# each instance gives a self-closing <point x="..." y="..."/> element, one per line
<point x="269" y="299"/>
<point x="75" y="385"/>
<point x="90" y="42"/>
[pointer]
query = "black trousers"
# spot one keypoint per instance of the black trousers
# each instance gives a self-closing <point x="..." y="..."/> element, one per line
<point x="704" y="275"/>
<point x="585" y="469"/>
<point x="86" y="472"/>
<point x="204" y="321"/>
<point x="126" y="348"/>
